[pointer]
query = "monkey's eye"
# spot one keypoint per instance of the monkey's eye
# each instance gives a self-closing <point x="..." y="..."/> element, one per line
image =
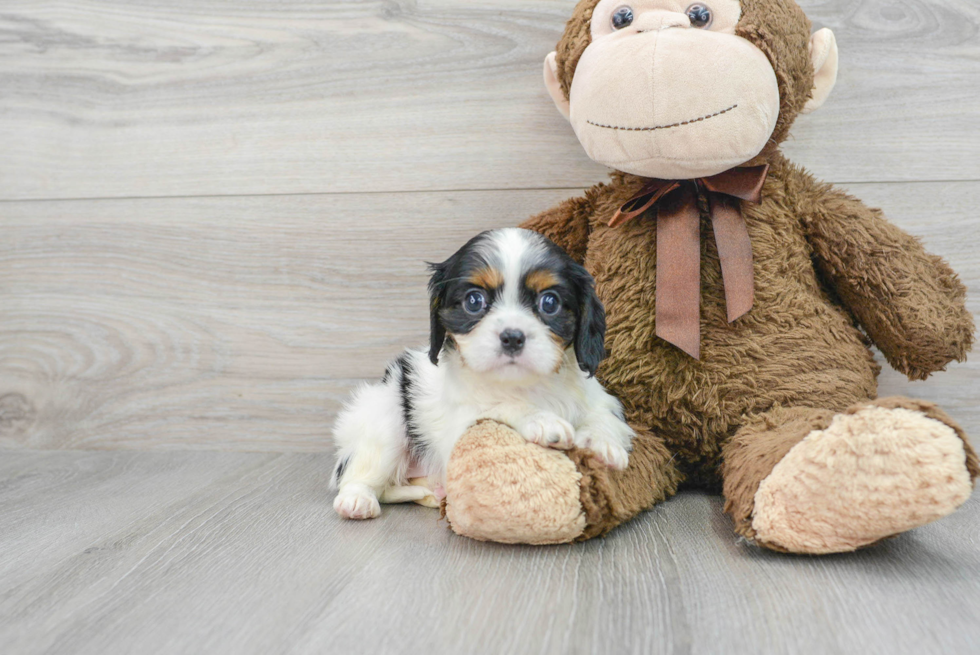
<point x="622" y="17"/>
<point x="474" y="302"/>
<point x="549" y="303"/>
<point x="700" y="15"/>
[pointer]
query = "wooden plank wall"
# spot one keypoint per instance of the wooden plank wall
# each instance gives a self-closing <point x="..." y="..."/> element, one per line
<point x="214" y="214"/>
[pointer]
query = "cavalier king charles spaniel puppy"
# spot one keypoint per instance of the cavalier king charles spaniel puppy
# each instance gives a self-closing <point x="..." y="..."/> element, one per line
<point x="517" y="334"/>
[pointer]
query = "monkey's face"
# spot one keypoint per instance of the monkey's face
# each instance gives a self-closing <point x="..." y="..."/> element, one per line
<point x="667" y="89"/>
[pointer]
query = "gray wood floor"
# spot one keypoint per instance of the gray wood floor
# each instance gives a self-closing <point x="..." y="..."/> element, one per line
<point x="214" y="218"/>
<point x="128" y="552"/>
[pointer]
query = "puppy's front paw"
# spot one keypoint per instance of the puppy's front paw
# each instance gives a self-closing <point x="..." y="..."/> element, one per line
<point x="548" y="430"/>
<point x="606" y="449"/>
<point x="357" y="501"/>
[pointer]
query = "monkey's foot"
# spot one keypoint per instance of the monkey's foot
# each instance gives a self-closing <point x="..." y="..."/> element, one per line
<point x="501" y="488"/>
<point x="871" y="474"/>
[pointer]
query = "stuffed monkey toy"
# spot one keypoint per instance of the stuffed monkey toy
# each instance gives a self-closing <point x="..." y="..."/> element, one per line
<point x="742" y="296"/>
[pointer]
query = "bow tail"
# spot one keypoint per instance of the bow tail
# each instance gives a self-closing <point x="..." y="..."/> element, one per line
<point x="735" y="253"/>
<point x="678" y="304"/>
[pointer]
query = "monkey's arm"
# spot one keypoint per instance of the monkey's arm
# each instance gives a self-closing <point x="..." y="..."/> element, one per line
<point x="567" y="224"/>
<point x="909" y="301"/>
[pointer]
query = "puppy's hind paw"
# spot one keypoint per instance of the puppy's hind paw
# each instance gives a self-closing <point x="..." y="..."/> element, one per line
<point x="357" y="501"/>
<point x="548" y="430"/>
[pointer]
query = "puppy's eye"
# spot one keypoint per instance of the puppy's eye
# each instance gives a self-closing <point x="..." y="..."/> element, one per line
<point x="700" y="15"/>
<point x="474" y="302"/>
<point x="549" y="303"/>
<point x="622" y="17"/>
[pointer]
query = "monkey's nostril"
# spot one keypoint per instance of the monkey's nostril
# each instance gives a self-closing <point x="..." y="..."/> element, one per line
<point x="512" y="341"/>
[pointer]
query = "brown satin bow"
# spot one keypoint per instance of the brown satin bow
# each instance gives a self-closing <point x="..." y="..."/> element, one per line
<point x="679" y="247"/>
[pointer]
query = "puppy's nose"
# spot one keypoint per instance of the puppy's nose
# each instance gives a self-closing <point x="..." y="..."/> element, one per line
<point x="512" y="341"/>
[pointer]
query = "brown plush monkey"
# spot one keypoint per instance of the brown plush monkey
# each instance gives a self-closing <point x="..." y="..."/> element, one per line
<point x="741" y="300"/>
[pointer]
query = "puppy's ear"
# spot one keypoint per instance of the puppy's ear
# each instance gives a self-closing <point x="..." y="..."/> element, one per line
<point x="437" y="294"/>
<point x="590" y="334"/>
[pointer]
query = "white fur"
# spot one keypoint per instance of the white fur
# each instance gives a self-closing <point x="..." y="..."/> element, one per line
<point x="558" y="410"/>
<point x="541" y="393"/>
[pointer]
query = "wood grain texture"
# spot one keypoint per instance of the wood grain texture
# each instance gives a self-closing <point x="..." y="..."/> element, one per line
<point x="241" y="553"/>
<point x="113" y="98"/>
<point x="228" y="322"/>
<point x="242" y="323"/>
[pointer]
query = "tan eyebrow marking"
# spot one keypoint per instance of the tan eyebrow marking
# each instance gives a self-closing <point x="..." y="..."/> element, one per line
<point x="540" y="279"/>
<point x="488" y="278"/>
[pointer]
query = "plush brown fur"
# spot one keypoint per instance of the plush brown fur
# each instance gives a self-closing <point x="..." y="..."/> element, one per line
<point x="611" y="497"/>
<point x="832" y="277"/>
<point x="801" y="346"/>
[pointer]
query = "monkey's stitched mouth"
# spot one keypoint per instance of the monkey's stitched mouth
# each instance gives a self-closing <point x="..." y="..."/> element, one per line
<point x="663" y="127"/>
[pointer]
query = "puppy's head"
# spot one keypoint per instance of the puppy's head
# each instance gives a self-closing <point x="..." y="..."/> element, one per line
<point x="512" y="303"/>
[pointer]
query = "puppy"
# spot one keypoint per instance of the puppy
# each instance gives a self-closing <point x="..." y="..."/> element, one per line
<point x="517" y="334"/>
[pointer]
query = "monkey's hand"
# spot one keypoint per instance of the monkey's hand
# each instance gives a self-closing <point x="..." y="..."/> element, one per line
<point x="910" y="302"/>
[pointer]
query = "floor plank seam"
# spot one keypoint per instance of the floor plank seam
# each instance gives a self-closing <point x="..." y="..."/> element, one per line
<point x="392" y="192"/>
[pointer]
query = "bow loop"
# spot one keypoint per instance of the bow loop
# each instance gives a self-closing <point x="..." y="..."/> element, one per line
<point x="742" y="183"/>
<point x="649" y="195"/>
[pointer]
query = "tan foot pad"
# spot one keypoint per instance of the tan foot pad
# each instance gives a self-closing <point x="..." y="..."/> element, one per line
<point x="501" y="488"/>
<point x="869" y="475"/>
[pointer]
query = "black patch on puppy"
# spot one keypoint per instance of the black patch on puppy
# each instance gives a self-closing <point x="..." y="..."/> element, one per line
<point x="393" y="371"/>
<point x="406" y="377"/>
<point x="341" y="467"/>
<point x="590" y="333"/>
<point x="448" y="286"/>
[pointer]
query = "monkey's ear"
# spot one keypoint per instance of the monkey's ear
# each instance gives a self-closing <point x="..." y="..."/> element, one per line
<point x="554" y="86"/>
<point x="823" y="54"/>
